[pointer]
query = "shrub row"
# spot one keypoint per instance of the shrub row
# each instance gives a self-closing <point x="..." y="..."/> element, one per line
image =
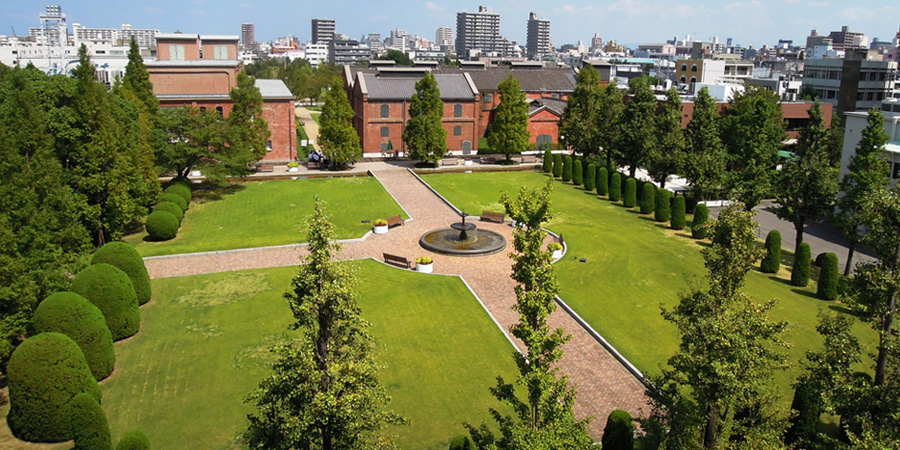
<point x="163" y="223"/>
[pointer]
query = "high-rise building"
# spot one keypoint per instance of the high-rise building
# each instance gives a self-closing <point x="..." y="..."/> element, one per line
<point x="596" y="43"/>
<point x="443" y="36"/>
<point x="145" y="37"/>
<point x="248" y="38"/>
<point x="322" y="31"/>
<point x="480" y="33"/>
<point x="845" y="39"/>
<point x="538" y="42"/>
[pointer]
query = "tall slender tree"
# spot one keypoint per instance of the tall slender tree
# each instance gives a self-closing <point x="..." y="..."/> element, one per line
<point x="337" y="136"/>
<point x="638" y="131"/>
<point x="509" y="132"/>
<point x="705" y="163"/>
<point x="580" y="120"/>
<point x="425" y="136"/>
<point x="247" y="132"/>
<point x="137" y="79"/>
<point x="609" y="125"/>
<point x="666" y="156"/>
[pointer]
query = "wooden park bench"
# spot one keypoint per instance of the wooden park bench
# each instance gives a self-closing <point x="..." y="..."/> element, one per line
<point x="313" y="165"/>
<point x="493" y="216"/>
<point x="488" y="159"/>
<point x="394" y="220"/>
<point x="265" y="168"/>
<point x="449" y="162"/>
<point x="529" y="159"/>
<point x="397" y="260"/>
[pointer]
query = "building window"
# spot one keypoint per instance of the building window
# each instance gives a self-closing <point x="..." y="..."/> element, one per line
<point x="457" y="110"/>
<point x="488" y="98"/>
<point x="896" y="172"/>
<point x="176" y="52"/>
<point x="220" y="52"/>
<point x="683" y="79"/>
<point x="384" y="146"/>
<point x="693" y="67"/>
<point x="693" y="79"/>
<point x="220" y="110"/>
<point x="684" y="67"/>
<point x="467" y="147"/>
<point x="269" y="146"/>
<point x="544" y="139"/>
<point x="385" y="111"/>
<point x="385" y="132"/>
<point x="457" y="130"/>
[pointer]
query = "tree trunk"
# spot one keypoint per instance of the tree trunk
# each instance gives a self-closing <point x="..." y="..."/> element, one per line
<point x="662" y="182"/>
<point x="849" y="265"/>
<point x="798" y="227"/>
<point x="710" y="435"/>
<point x="633" y="170"/>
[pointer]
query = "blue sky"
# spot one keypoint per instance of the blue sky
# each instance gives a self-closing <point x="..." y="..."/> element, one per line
<point x="749" y="22"/>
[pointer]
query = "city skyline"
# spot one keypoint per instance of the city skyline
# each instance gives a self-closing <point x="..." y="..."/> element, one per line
<point x="766" y="21"/>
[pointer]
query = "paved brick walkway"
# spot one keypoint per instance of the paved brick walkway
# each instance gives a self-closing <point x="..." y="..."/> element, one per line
<point x="603" y="384"/>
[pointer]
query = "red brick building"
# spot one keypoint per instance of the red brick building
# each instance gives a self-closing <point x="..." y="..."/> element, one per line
<point x="201" y="70"/>
<point x="795" y="114"/>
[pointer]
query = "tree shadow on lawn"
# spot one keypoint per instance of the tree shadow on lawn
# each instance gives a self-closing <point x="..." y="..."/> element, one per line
<point x="804" y="291"/>
<point x="843" y="310"/>
<point x="208" y="192"/>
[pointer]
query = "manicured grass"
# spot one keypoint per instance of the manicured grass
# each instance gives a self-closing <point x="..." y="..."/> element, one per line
<point x="203" y="346"/>
<point x="262" y="213"/>
<point x="315" y="116"/>
<point x="633" y="265"/>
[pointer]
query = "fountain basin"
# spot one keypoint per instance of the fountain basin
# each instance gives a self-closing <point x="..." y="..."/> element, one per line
<point x="467" y="242"/>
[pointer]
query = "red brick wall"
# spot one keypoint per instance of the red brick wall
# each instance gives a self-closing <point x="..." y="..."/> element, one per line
<point x="544" y="122"/>
<point x="283" y="128"/>
<point x="191" y="49"/>
<point x="205" y="80"/>
<point x="788" y="111"/>
<point x="209" y="53"/>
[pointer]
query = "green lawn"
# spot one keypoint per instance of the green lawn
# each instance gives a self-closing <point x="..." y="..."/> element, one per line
<point x="262" y="213"/>
<point x="315" y="116"/>
<point x="203" y="347"/>
<point x="633" y="265"/>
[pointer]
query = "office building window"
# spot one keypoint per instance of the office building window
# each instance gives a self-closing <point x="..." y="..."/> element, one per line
<point x="385" y="111"/>
<point x="457" y="110"/>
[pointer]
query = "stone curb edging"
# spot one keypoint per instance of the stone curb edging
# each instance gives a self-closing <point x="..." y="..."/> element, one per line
<point x="372" y="174"/>
<point x="251" y="249"/>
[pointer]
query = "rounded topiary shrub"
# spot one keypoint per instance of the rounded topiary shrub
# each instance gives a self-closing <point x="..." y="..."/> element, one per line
<point x="699" y="228"/>
<point x="89" y="426"/>
<point x="111" y="290"/>
<point x="74" y="316"/>
<point x="648" y="198"/>
<point x="127" y="259"/>
<point x="602" y="181"/>
<point x="548" y="161"/>
<point x="44" y="373"/>
<point x="184" y="181"/>
<point x="678" y="213"/>
<point x="170" y="208"/>
<point x="630" y="197"/>
<point x="161" y="225"/>
<point x="662" y="213"/>
<point x="461" y="442"/>
<point x="174" y="198"/>
<point x="567" y="168"/>
<point x="772" y="261"/>
<point x="819" y="258"/>
<point x="590" y="177"/>
<point x="615" y="187"/>
<point x="557" y="165"/>
<point x="619" y="431"/>
<point x="181" y="190"/>
<point x="802" y="263"/>
<point x="134" y="440"/>
<point x="577" y="173"/>
<point x="828" y="278"/>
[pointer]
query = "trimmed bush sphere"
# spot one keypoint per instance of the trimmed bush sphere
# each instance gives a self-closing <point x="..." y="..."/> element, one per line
<point x="184" y="181"/>
<point x="648" y="198"/>
<point x="557" y="165"/>
<point x="127" y="259"/>
<point x="699" y="230"/>
<point x="619" y="431"/>
<point x="772" y="261"/>
<point x="577" y="173"/>
<point x="44" y="373"/>
<point x="662" y="213"/>
<point x="161" y="225"/>
<point x="567" y="168"/>
<point x="602" y="181"/>
<point x="819" y="258"/>
<point x="89" y="426"/>
<point x="548" y="161"/>
<point x="828" y="278"/>
<point x="111" y="290"/>
<point x="615" y="187"/>
<point x="174" y="198"/>
<point x="800" y="271"/>
<point x="181" y="190"/>
<point x="678" y="206"/>
<point x="172" y="209"/>
<point x="590" y="177"/>
<point x="630" y="198"/>
<point x="134" y="440"/>
<point x="461" y="442"/>
<point x="74" y="316"/>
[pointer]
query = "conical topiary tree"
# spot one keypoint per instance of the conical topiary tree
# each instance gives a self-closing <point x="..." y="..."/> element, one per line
<point x="567" y="168"/>
<point x="602" y="182"/>
<point x="802" y="263"/>
<point x="590" y="177"/>
<point x="619" y="431"/>
<point x="772" y="261"/>
<point x="577" y="173"/>
<point x="90" y="429"/>
<point x="648" y="198"/>
<point x="662" y="213"/>
<point x="557" y="165"/>
<point x="678" y="220"/>
<point x="134" y="440"/>
<point x="44" y="374"/>
<point x="548" y="161"/>
<point x="630" y="197"/>
<point x="615" y="187"/>
<point x="699" y="228"/>
<point x="127" y="259"/>
<point x="73" y="315"/>
<point x="110" y="289"/>
<point x="827" y="288"/>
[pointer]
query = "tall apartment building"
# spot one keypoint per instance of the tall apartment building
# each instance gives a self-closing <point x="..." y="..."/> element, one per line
<point x="854" y="83"/>
<point x="248" y="38"/>
<point x="480" y="33"/>
<point x="846" y="39"/>
<point x="322" y="31"/>
<point x="443" y="36"/>
<point x="145" y="37"/>
<point x="596" y="43"/>
<point x="538" y="42"/>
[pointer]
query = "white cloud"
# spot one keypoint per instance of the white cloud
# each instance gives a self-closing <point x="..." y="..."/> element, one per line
<point x="433" y="7"/>
<point x="860" y="13"/>
<point x="630" y="7"/>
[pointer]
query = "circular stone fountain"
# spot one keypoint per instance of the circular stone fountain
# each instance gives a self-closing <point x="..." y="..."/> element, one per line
<point x="463" y="239"/>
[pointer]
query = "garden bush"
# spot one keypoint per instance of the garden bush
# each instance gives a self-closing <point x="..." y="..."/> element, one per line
<point x="619" y="431"/>
<point x="180" y="190"/>
<point x="548" y="161"/>
<point x="800" y="271"/>
<point x="819" y="258"/>
<point x="184" y="181"/>
<point x="648" y="198"/>
<point x="172" y="209"/>
<point x="134" y="440"/>
<point x="110" y="289"/>
<point x="89" y="426"/>
<point x="590" y="177"/>
<point x="630" y="197"/>
<point x="567" y="168"/>
<point x="828" y="278"/>
<point x="174" y="198"/>
<point x="74" y="316"/>
<point x="808" y="405"/>
<point x="577" y="173"/>
<point x="699" y="228"/>
<point x="678" y="220"/>
<point x="557" y="165"/>
<point x="461" y="442"/>
<point x="772" y="261"/>
<point x="161" y="225"/>
<point x="602" y="181"/>
<point x="127" y="259"/>
<point x="615" y="187"/>
<point x="44" y="373"/>
<point x="662" y="213"/>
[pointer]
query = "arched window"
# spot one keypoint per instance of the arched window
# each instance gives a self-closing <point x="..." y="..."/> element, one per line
<point x="457" y="110"/>
<point x="693" y="79"/>
<point x="384" y="146"/>
<point x="385" y="132"/>
<point x="693" y="67"/>
<point x="544" y="139"/>
<point x="684" y="67"/>
<point x="683" y="79"/>
<point x="457" y="130"/>
<point x="385" y="111"/>
<point x="467" y="147"/>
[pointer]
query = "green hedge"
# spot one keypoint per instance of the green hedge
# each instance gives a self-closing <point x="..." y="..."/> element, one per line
<point x="89" y="426"/>
<point x="699" y="228"/>
<point x="648" y="198"/>
<point x="577" y="173"/>
<point x="603" y="181"/>
<point x="619" y="431"/>
<point x="174" y="198"/>
<point x="567" y="168"/>
<point x="678" y="213"/>
<point x="111" y="290"/>
<point x="127" y="259"/>
<point x="180" y="190"/>
<point x="557" y="165"/>
<point x="184" y="181"/>
<point x="548" y="161"/>
<point x="630" y="198"/>
<point x="772" y="261"/>
<point x="134" y="440"/>
<point x="802" y="263"/>
<point x="170" y="208"/>
<point x="590" y="177"/>
<point x="44" y="373"/>
<point x="74" y="316"/>
<point x="161" y="225"/>
<point x="615" y="187"/>
<point x="827" y="288"/>
<point x="461" y="442"/>
<point x="662" y="213"/>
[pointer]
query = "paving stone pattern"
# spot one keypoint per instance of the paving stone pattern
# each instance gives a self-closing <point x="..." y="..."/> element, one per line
<point x="602" y="383"/>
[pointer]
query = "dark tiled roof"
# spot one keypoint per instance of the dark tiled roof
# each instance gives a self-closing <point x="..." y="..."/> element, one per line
<point x="531" y="79"/>
<point x="453" y="87"/>
<point x="551" y="103"/>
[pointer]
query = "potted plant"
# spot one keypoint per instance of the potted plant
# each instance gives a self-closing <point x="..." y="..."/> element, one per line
<point x="556" y="248"/>
<point x="467" y="161"/>
<point x="424" y="264"/>
<point x="381" y="226"/>
<point x="293" y="166"/>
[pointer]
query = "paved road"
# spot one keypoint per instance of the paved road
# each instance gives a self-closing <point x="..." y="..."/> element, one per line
<point x="309" y="125"/>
